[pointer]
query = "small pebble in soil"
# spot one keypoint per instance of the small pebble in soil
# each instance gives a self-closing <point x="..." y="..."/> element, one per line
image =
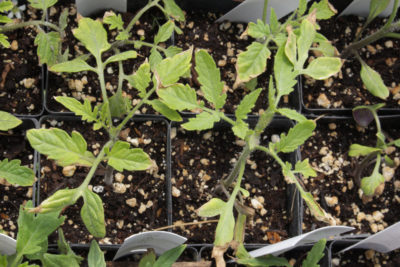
<point x="68" y="171"/>
<point x="131" y="202"/>
<point x="98" y="189"/>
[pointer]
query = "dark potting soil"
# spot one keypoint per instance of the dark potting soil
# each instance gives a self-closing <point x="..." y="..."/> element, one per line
<point x="367" y="258"/>
<point x="223" y="42"/>
<point x="136" y="201"/>
<point x="86" y="84"/>
<point x="13" y="145"/>
<point x="20" y="79"/>
<point x="336" y="188"/>
<point x="346" y="90"/>
<point x="201" y="160"/>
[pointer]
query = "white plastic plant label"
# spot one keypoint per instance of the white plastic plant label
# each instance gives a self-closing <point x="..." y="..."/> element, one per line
<point x="8" y="245"/>
<point x="160" y="241"/>
<point x="361" y="8"/>
<point x="88" y="7"/>
<point x="328" y="232"/>
<point x="384" y="241"/>
<point x="251" y="10"/>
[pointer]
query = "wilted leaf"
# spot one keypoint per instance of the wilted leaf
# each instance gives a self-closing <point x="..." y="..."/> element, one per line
<point x="212" y="208"/>
<point x="370" y="184"/>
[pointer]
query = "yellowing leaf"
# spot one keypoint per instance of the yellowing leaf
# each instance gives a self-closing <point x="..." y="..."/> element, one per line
<point x="252" y="62"/>
<point x="370" y="184"/>
<point x="93" y="36"/>
<point x="212" y="208"/>
<point x="48" y="45"/>
<point x="323" y="67"/>
<point x="171" y="69"/>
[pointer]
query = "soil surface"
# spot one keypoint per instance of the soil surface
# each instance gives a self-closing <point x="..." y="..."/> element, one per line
<point x="86" y="84"/>
<point x="136" y="202"/>
<point x="346" y="90"/>
<point x="201" y="160"/>
<point x="335" y="187"/>
<point x="368" y="258"/>
<point x="13" y="145"/>
<point x="20" y="79"/>
<point x="223" y="41"/>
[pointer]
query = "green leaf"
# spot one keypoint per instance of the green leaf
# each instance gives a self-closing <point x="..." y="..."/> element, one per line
<point x="63" y="20"/>
<point x="5" y="19"/>
<point x="370" y="183"/>
<point x="48" y="45"/>
<point x="247" y="104"/>
<point x="324" y="9"/>
<point x="75" y="65"/>
<point x="6" y="6"/>
<point x="323" y="67"/>
<point x="34" y="229"/>
<point x="252" y="62"/>
<point x="258" y="30"/>
<point x="114" y="21"/>
<point x="4" y="40"/>
<point x="174" y="10"/>
<point x="283" y="73"/>
<point x="291" y="48"/>
<point x="96" y="256"/>
<point x="171" y="69"/>
<point x="84" y="110"/>
<point x="251" y="85"/>
<point x="148" y="260"/>
<point x="121" y="157"/>
<point x="292" y="114"/>
<point x="305" y="169"/>
<point x="240" y="129"/>
<point x="59" y="200"/>
<point x="179" y="97"/>
<point x="264" y="261"/>
<point x="169" y="257"/>
<point x="119" y="105"/>
<point x="304" y="42"/>
<point x="16" y="174"/>
<point x="122" y="36"/>
<point x="52" y="260"/>
<point x="141" y="79"/>
<point x="92" y="214"/>
<point x="121" y="56"/>
<point x="376" y="7"/>
<point x="58" y="145"/>
<point x="93" y="36"/>
<point x="64" y="248"/>
<point x="155" y="58"/>
<point x="315" y="254"/>
<point x="164" y="32"/>
<point x="302" y="7"/>
<point x="295" y="137"/>
<point x="273" y="21"/>
<point x="172" y="51"/>
<point x="8" y="121"/>
<point x="170" y="114"/>
<point x="42" y="4"/>
<point x="373" y="81"/>
<point x="213" y="207"/>
<point x="360" y="150"/>
<point x="210" y="79"/>
<point x="202" y="121"/>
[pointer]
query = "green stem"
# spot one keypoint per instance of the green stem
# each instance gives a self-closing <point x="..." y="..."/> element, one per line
<point x="140" y="13"/>
<point x="16" y="260"/>
<point x="264" y="17"/>
<point x="120" y="73"/>
<point x="96" y="163"/>
<point x="7" y="28"/>
<point x="235" y="171"/>
<point x="145" y="44"/>
<point x="132" y="112"/>
<point x="100" y="73"/>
